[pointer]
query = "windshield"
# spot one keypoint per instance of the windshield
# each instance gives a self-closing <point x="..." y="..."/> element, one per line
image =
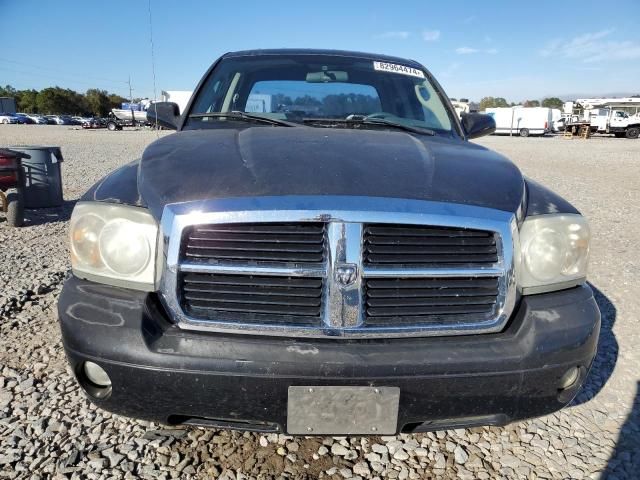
<point x="307" y="89"/>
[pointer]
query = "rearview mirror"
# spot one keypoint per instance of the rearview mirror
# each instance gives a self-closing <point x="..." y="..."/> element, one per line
<point x="164" y="114"/>
<point x="478" y="125"/>
<point x="327" y="76"/>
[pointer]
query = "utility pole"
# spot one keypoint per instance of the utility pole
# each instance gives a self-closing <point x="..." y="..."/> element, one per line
<point x="130" y="90"/>
<point x="133" y="115"/>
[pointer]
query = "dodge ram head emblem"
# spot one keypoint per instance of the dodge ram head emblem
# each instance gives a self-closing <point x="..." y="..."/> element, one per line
<point x="346" y="274"/>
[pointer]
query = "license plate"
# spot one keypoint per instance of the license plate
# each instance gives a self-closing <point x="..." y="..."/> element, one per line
<point x="342" y="410"/>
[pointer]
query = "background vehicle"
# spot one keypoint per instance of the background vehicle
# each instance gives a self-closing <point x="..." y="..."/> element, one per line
<point x="119" y="118"/>
<point x="37" y="119"/>
<point x="24" y="119"/>
<point x="60" y="119"/>
<point x="559" y="124"/>
<point x="8" y="118"/>
<point x="93" y="123"/>
<point x="620" y="116"/>
<point x="11" y="187"/>
<point x="522" y="121"/>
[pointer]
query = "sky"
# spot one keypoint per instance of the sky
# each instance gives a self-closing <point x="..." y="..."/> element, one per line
<point x="516" y="50"/>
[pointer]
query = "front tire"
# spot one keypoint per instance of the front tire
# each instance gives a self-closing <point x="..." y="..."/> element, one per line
<point x="633" y="132"/>
<point x="15" y="208"/>
<point x="524" y="133"/>
<point x="112" y="126"/>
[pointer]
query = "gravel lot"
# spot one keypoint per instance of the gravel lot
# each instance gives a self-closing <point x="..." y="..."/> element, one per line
<point x="49" y="430"/>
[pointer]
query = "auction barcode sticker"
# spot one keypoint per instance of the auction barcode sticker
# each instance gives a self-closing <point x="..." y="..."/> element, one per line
<point x="394" y="68"/>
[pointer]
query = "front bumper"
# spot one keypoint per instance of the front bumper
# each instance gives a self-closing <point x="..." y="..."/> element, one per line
<point x="162" y="373"/>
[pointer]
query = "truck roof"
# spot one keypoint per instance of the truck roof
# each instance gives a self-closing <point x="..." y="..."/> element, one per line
<point x="311" y="51"/>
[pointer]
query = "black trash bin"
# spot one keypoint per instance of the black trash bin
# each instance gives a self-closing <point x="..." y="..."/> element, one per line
<point x="42" y="176"/>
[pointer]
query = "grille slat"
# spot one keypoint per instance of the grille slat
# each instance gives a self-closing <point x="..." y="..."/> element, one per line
<point x="262" y="246"/>
<point x="429" y="259"/>
<point x="260" y="243"/>
<point x="214" y="308"/>
<point x="239" y="290"/>
<point x="420" y="231"/>
<point x="271" y="299"/>
<point x="411" y="245"/>
<point x="255" y="256"/>
<point x="438" y="283"/>
<point x="427" y="310"/>
<point x="293" y="282"/>
<point x="429" y="301"/>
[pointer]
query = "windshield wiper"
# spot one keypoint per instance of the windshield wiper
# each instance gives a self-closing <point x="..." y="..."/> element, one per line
<point x="247" y="117"/>
<point x="372" y="121"/>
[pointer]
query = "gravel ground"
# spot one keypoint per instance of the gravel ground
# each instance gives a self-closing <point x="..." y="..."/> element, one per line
<point x="49" y="430"/>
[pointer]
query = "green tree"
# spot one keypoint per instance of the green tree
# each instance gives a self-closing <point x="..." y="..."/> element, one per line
<point x="98" y="102"/>
<point x="27" y="101"/>
<point x="552" y="102"/>
<point x="531" y="103"/>
<point x="493" y="102"/>
<point x="56" y="100"/>
<point x="116" y="101"/>
<point x="8" y="91"/>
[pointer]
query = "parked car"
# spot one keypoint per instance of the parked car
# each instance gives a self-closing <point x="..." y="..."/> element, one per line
<point x="8" y="118"/>
<point x="93" y="123"/>
<point x="37" y="119"/>
<point x="60" y="119"/>
<point x="68" y="120"/>
<point x="353" y="265"/>
<point x="24" y="119"/>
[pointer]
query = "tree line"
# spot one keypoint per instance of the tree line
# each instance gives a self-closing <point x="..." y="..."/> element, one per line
<point x="497" y="102"/>
<point x="56" y="100"/>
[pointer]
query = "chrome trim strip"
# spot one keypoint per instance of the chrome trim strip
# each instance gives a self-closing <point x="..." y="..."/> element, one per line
<point x="230" y="269"/>
<point x="379" y="272"/>
<point x="344" y="217"/>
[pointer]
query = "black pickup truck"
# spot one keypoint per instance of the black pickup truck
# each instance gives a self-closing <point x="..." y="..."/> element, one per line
<point x="319" y="249"/>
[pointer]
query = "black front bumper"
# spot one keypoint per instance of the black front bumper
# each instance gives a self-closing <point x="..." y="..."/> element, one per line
<point x="162" y="373"/>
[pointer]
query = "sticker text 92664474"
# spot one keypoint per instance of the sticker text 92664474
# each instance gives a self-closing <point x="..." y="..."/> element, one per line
<point x="395" y="68"/>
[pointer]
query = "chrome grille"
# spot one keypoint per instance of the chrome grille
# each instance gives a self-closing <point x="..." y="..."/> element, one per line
<point x="385" y="268"/>
<point x="250" y="242"/>
<point x="416" y="245"/>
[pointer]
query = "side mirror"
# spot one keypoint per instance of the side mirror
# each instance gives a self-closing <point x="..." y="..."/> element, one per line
<point x="164" y="114"/>
<point x="478" y="125"/>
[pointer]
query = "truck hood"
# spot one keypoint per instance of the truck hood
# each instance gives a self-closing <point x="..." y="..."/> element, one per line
<point x="275" y="161"/>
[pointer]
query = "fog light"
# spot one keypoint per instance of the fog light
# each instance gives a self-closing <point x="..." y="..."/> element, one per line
<point x="569" y="378"/>
<point x="96" y="374"/>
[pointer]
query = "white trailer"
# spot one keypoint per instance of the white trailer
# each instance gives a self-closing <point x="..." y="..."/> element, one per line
<point x="7" y="105"/>
<point x="522" y="121"/>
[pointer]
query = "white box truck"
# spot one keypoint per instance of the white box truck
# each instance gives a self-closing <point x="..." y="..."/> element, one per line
<point x="522" y="121"/>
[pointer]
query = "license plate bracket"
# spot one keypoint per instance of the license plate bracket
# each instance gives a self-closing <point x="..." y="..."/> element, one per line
<point x="341" y="410"/>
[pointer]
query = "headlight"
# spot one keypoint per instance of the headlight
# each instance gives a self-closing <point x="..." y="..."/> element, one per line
<point x="555" y="252"/>
<point x="114" y="244"/>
